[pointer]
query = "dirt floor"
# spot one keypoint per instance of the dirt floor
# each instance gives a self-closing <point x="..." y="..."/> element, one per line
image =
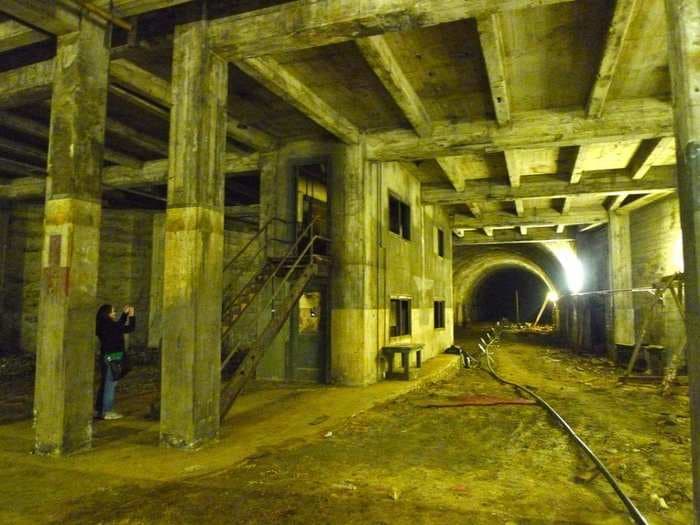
<point x="399" y="462"/>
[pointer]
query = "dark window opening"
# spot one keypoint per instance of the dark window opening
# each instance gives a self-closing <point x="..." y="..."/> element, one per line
<point x="439" y="314"/>
<point x="440" y="242"/>
<point x="400" y="317"/>
<point x="399" y="218"/>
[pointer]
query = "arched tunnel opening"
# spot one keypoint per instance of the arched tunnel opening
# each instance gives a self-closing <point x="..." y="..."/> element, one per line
<point x="512" y="294"/>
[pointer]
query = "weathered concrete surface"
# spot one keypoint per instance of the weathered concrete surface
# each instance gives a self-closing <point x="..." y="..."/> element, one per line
<point x="69" y="265"/>
<point x="657" y="252"/>
<point x="683" y="18"/>
<point x="65" y="363"/>
<point x="4" y="245"/>
<point x="379" y="265"/>
<point x="155" y="304"/>
<point x="194" y="244"/>
<point x="620" y="251"/>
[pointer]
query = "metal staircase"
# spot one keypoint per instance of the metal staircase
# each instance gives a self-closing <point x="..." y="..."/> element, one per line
<point x="254" y="313"/>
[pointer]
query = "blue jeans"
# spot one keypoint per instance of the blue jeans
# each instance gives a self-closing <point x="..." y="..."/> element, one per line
<point x="105" y="396"/>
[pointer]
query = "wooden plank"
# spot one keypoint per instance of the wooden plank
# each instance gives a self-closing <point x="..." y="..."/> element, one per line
<point x="248" y="210"/>
<point x="126" y="8"/>
<point x="384" y="64"/>
<point x="661" y="178"/>
<point x="50" y="16"/>
<point x="268" y="72"/>
<point x="13" y="35"/>
<point x="535" y="218"/>
<point x="619" y="27"/>
<point x="26" y="84"/>
<point x="632" y="119"/>
<point x="303" y="24"/>
<point x="540" y="235"/>
<point x="22" y="150"/>
<point x="616" y="201"/>
<point x="491" y="38"/>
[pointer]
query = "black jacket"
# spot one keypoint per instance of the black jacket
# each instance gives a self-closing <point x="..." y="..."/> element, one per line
<point x="111" y="333"/>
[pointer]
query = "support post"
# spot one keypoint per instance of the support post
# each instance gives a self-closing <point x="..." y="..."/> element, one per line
<point x="620" y="270"/>
<point x="4" y="241"/>
<point x="683" y="17"/>
<point x="155" y="306"/>
<point x="354" y="338"/>
<point x="194" y="242"/>
<point x="63" y="400"/>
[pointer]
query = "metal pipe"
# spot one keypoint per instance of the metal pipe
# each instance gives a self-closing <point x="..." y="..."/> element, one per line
<point x="637" y="516"/>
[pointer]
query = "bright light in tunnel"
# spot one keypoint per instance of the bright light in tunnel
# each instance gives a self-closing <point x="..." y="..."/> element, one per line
<point x="553" y="296"/>
<point x="564" y="251"/>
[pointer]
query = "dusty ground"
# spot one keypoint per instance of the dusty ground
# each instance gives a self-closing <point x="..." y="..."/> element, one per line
<point x="402" y="463"/>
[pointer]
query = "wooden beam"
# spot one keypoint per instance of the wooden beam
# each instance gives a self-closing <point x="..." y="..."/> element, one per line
<point x="631" y="119"/>
<point x="41" y="131"/>
<point x="13" y="35"/>
<point x="661" y="178"/>
<point x="22" y="150"/>
<point x="616" y="201"/>
<point x="576" y="173"/>
<point x="27" y="84"/>
<point x="384" y="64"/>
<point x="140" y="103"/>
<point x="648" y="154"/>
<point x="51" y="16"/>
<point x="591" y="226"/>
<point x="536" y="218"/>
<point x="523" y="230"/>
<point x="491" y="38"/>
<point x="644" y="200"/>
<point x="514" y="164"/>
<point x="512" y="237"/>
<point x="561" y="228"/>
<point x="20" y="169"/>
<point x="301" y="24"/>
<point x="151" y="173"/>
<point x="451" y="168"/>
<point x="621" y="21"/>
<point x="137" y="138"/>
<point x="144" y="83"/>
<point x="268" y="72"/>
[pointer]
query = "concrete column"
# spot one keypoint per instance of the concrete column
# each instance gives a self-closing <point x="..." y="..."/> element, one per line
<point x="684" y="58"/>
<point x="155" y="305"/>
<point x="4" y="241"/>
<point x="63" y="400"/>
<point x="354" y="275"/>
<point x="194" y="242"/>
<point x="620" y="269"/>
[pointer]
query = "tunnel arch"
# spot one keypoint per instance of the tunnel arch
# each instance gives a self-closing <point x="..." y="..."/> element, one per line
<point x="473" y="265"/>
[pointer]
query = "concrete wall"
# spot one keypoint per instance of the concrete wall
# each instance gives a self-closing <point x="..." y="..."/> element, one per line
<point x="412" y="268"/>
<point x="657" y="252"/>
<point x="125" y="258"/>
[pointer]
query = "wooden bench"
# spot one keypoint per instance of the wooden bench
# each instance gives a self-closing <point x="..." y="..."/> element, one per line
<point x="405" y="351"/>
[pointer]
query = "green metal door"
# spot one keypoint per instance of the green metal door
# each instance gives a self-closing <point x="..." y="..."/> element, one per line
<point x="308" y="359"/>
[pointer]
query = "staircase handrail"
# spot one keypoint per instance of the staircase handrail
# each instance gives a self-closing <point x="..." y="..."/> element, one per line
<point x="261" y="231"/>
<point x="273" y="274"/>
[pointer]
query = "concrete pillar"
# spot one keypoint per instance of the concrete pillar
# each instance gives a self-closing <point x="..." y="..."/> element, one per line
<point x="194" y="242"/>
<point x="684" y="59"/>
<point x="63" y="400"/>
<point x="155" y="305"/>
<point x="620" y="269"/>
<point x="4" y="241"/>
<point x="354" y="276"/>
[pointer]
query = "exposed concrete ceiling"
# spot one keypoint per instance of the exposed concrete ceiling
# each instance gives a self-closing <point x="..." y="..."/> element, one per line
<point x="461" y="93"/>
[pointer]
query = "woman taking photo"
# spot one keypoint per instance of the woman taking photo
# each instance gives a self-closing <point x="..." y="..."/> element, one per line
<point x="110" y="331"/>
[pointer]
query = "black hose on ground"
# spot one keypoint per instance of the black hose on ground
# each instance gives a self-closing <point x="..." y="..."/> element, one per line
<point x="637" y="516"/>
